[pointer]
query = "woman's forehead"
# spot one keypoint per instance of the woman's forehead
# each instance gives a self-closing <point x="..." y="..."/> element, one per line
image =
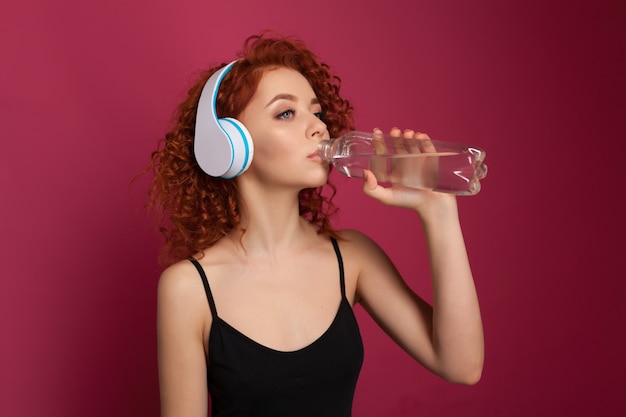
<point x="286" y="83"/>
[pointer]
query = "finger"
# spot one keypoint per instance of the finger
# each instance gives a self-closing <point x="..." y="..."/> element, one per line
<point x="370" y="182"/>
<point x="379" y="165"/>
<point x="397" y="141"/>
<point x="372" y="189"/>
<point x="425" y="143"/>
<point x="379" y="142"/>
<point x="411" y="142"/>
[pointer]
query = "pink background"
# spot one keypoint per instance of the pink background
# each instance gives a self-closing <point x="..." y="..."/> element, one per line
<point x="88" y="88"/>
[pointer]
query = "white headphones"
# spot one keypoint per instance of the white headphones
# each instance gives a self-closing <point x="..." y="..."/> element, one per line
<point x="223" y="147"/>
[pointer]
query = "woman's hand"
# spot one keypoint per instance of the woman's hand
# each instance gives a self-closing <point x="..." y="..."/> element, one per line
<point x="416" y="172"/>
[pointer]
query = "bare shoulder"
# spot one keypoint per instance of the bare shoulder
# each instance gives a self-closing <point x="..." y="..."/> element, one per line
<point x="179" y="279"/>
<point x="181" y="292"/>
<point x="358" y="244"/>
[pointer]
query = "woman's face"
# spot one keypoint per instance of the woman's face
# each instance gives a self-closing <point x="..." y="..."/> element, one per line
<point x="283" y="118"/>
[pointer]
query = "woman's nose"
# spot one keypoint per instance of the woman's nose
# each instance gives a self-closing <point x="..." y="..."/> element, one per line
<point x="317" y="128"/>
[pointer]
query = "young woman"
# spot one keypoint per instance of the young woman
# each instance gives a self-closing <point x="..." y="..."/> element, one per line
<point x="256" y="305"/>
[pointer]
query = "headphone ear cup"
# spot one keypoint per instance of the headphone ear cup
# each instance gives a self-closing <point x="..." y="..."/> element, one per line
<point x="222" y="147"/>
<point x="241" y="145"/>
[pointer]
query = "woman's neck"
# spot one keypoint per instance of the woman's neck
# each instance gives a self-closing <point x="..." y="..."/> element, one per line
<point x="272" y="223"/>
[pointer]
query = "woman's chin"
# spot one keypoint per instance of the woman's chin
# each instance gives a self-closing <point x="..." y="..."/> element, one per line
<point x="318" y="180"/>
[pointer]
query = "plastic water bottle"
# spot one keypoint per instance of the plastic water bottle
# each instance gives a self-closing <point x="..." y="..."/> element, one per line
<point x="416" y="163"/>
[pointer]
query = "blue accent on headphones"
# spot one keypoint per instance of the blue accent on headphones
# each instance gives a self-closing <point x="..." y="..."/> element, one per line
<point x="222" y="147"/>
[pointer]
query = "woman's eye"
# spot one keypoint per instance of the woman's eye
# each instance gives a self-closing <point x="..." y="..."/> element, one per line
<point x="287" y="114"/>
<point x="320" y="115"/>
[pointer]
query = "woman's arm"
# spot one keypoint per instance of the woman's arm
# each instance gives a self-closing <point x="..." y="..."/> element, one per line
<point x="181" y="322"/>
<point x="447" y="338"/>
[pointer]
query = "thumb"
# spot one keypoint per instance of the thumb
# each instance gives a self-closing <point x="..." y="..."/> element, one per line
<point x="372" y="189"/>
<point x="370" y="182"/>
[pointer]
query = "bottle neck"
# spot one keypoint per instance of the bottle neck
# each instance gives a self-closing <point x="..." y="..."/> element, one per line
<point x="324" y="149"/>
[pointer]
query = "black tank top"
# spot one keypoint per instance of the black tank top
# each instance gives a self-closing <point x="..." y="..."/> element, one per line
<point x="246" y="378"/>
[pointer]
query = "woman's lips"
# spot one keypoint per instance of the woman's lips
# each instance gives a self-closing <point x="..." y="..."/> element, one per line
<point x="315" y="156"/>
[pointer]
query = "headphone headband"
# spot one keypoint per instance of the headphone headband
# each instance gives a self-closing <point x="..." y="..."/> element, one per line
<point x="222" y="147"/>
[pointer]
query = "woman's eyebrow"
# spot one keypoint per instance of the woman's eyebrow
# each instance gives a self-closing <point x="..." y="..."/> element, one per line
<point x="289" y="97"/>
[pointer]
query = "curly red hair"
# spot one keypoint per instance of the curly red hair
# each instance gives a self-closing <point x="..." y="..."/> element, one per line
<point x="202" y="209"/>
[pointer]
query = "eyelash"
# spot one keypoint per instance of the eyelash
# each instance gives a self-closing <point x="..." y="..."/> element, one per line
<point x="281" y="115"/>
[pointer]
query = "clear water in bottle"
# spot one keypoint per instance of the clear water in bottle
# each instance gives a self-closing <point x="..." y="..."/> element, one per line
<point x="450" y="168"/>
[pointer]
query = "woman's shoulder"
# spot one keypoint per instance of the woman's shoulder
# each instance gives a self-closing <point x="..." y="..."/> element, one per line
<point x="179" y="281"/>
<point x="178" y="273"/>
<point x="355" y="239"/>
<point x="181" y="298"/>
<point x="355" y="243"/>
<point x="186" y="271"/>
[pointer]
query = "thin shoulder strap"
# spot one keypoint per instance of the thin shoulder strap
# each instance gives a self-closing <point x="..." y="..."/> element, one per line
<point x="207" y="289"/>
<point x="340" y="261"/>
